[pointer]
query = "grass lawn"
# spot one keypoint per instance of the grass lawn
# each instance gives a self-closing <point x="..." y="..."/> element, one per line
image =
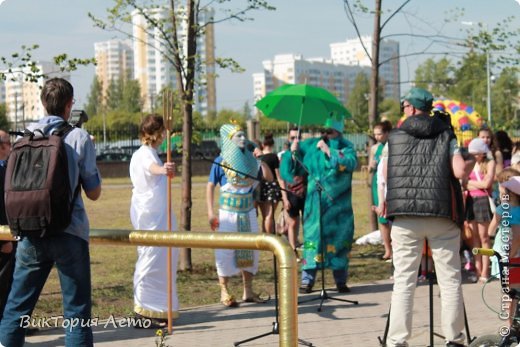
<point x="113" y="266"/>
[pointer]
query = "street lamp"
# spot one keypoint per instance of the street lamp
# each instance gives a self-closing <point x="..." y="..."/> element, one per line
<point x="488" y="77"/>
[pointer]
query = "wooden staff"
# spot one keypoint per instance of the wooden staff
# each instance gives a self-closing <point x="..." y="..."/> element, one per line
<point x="167" y="115"/>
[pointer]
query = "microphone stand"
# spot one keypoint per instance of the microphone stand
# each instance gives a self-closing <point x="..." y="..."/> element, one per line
<point x="275" y="330"/>
<point x="323" y="292"/>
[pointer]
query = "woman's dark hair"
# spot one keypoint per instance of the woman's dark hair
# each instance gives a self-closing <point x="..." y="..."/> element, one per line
<point x="385" y="126"/>
<point x="268" y="140"/>
<point x="151" y="129"/>
<point x="504" y="144"/>
<point x="55" y="95"/>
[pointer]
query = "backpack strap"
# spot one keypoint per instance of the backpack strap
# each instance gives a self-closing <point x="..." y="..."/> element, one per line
<point x="61" y="130"/>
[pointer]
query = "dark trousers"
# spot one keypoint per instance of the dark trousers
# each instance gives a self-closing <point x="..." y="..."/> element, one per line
<point x="7" y="261"/>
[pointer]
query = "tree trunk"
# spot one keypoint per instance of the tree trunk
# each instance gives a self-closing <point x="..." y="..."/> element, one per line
<point x="374" y="89"/>
<point x="187" y="130"/>
<point x="186" y="204"/>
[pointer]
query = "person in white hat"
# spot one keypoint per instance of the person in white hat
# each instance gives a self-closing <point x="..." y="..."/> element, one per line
<point x="478" y="207"/>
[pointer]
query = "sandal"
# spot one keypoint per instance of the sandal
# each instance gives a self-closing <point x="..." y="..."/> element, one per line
<point x="149" y="323"/>
<point x="257" y="299"/>
<point x="229" y="301"/>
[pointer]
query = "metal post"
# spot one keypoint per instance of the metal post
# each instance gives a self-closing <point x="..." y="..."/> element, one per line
<point x="287" y="268"/>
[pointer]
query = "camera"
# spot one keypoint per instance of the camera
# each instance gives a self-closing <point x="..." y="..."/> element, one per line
<point x="77" y="118"/>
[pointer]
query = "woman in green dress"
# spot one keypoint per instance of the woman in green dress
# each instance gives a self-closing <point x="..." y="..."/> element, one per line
<point x="381" y="131"/>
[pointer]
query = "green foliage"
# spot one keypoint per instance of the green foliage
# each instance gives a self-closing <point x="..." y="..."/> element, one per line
<point x="273" y="125"/>
<point x="467" y="82"/>
<point x="435" y="76"/>
<point x="225" y="116"/>
<point x="470" y="81"/>
<point x="357" y="103"/>
<point x="390" y="109"/>
<point x="94" y="98"/>
<point x="503" y="94"/>
<point x="23" y="62"/>
<point x="122" y="94"/>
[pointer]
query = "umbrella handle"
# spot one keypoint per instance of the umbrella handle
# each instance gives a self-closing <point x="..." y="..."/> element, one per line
<point x="301" y="115"/>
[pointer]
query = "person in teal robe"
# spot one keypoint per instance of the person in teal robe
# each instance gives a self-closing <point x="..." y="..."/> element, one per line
<point x="330" y="161"/>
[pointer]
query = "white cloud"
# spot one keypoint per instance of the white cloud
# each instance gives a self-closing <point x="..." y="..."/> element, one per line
<point x="1" y="1"/>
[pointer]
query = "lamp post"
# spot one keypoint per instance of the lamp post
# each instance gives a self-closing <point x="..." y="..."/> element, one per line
<point x="488" y="87"/>
<point x="488" y="77"/>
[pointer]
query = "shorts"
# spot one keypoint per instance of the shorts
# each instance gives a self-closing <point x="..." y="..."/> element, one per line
<point x="297" y="205"/>
<point x="270" y="192"/>
<point x="478" y="209"/>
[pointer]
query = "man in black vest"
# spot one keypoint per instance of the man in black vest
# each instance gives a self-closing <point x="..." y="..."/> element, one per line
<point x="423" y="163"/>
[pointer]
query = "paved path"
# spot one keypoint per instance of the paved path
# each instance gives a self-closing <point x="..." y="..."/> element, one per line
<point x="339" y="323"/>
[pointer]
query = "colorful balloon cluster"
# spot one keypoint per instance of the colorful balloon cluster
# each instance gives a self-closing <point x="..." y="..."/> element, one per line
<point x="463" y="117"/>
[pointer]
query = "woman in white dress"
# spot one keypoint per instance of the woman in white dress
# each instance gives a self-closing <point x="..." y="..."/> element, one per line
<point x="148" y="211"/>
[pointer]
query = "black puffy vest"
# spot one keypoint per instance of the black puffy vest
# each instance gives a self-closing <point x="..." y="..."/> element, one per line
<point x="420" y="181"/>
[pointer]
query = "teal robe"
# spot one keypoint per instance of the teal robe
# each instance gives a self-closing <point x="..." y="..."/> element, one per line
<point x="337" y="217"/>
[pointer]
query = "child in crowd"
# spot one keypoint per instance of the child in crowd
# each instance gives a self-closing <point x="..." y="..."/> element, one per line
<point x="508" y="203"/>
<point x="478" y="208"/>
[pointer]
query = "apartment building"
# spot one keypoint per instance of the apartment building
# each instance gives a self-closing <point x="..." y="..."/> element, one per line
<point x="337" y="74"/>
<point x="320" y="72"/>
<point x="115" y="60"/>
<point x="352" y="53"/>
<point x="22" y="97"/>
<point x="154" y="71"/>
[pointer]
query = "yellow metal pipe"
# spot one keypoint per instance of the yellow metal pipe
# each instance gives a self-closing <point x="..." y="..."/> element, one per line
<point x="288" y="329"/>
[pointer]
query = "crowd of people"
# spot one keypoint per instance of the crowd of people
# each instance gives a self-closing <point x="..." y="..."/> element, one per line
<point x="426" y="189"/>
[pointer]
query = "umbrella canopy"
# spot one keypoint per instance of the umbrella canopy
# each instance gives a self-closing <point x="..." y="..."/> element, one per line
<point x="302" y="104"/>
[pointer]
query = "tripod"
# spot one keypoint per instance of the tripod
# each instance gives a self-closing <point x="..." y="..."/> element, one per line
<point x="275" y="330"/>
<point x="430" y="276"/>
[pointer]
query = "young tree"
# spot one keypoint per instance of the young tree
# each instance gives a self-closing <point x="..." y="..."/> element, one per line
<point x="180" y="50"/>
<point x="94" y="98"/>
<point x="358" y="102"/>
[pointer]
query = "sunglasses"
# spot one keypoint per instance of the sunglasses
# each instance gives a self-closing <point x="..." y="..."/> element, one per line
<point x="292" y="138"/>
<point x="328" y="131"/>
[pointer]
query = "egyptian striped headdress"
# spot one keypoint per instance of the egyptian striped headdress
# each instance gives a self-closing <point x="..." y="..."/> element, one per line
<point x="239" y="159"/>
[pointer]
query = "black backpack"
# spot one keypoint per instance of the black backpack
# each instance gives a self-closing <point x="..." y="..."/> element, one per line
<point x="38" y="199"/>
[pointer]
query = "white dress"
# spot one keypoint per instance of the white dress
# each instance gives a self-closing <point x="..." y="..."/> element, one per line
<point x="232" y="220"/>
<point x="148" y="212"/>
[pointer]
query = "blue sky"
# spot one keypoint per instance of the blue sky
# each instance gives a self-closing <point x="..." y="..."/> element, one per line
<point x="304" y="27"/>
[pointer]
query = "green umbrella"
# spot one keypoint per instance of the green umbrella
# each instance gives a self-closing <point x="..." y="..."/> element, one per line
<point x="302" y="104"/>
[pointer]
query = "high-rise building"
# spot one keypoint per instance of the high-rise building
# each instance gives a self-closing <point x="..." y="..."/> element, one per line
<point x="337" y="74"/>
<point x="154" y="71"/>
<point x="22" y="97"/>
<point x="293" y="68"/>
<point x="352" y="53"/>
<point x="115" y="60"/>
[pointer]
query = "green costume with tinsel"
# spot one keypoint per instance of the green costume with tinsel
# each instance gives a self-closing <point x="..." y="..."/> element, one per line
<point x="335" y="175"/>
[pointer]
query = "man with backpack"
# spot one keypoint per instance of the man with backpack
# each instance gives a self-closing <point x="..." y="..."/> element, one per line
<point x="68" y="248"/>
<point x="7" y="248"/>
